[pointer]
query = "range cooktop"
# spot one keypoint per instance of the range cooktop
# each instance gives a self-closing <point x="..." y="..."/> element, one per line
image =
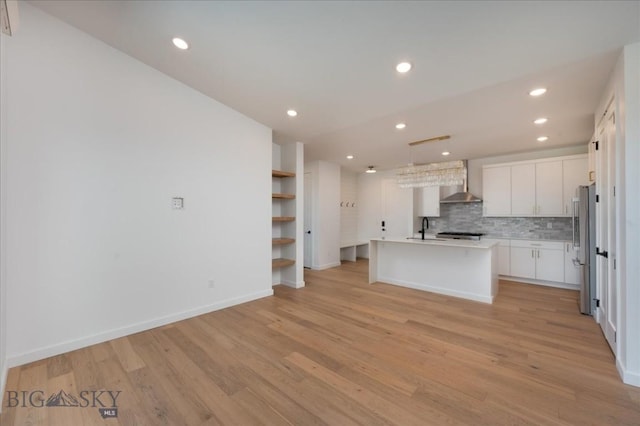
<point x="460" y="235"/>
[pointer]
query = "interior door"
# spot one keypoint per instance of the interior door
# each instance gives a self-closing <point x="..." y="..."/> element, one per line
<point x="397" y="210"/>
<point x="307" y="221"/>
<point x="612" y="295"/>
<point x="605" y="289"/>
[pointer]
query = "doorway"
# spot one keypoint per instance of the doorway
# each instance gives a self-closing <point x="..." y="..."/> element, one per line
<point x="308" y="246"/>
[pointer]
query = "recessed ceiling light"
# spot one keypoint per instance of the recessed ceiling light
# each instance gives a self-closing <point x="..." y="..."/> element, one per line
<point x="400" y="126"/>
<point x="541" y="120"/>
<point x="292" y="113"/>
<point x="542" y="138"/>
<point x="537" y="92"/>
<point x="371" y="169"/>
<point x="180" y="43"/>
<point x="445" y="153"/>
<point x="403" y="67"/>
<point x="349" y="157"/>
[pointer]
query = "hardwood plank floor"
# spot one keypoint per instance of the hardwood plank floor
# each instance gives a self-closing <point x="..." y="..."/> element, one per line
<point x="343" y="352"/>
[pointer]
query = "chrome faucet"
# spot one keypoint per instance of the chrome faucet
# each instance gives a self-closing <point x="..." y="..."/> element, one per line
<point x="425" y="221"/>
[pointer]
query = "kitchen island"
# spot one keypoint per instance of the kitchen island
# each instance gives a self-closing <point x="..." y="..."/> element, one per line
<point x="460" y="268"/>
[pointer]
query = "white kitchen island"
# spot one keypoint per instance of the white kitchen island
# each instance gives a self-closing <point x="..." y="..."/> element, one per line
<point x="460" y="268"/>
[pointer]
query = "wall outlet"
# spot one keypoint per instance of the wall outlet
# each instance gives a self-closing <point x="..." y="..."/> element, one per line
<point x="177" y="203"/>
<point x="212" y="284"/>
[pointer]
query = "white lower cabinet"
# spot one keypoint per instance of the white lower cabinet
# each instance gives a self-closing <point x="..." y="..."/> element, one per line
<point x="504" y="258"/>
<point x="540" y="260"/>
<point x="571" y="271"/>
<point x="523" y="262"/>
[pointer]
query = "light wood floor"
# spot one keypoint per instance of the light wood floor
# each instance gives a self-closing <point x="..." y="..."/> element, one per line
<point x="343" y="352"/>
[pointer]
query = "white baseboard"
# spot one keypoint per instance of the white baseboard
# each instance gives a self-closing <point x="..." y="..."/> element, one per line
<point x="439" y="290"/>
<point x="325" y="266"/>
<point x="628" y="377"/>
<point x="293" y="284"/>
<point x="541" y="282"/>
<point x="71" y="345"/>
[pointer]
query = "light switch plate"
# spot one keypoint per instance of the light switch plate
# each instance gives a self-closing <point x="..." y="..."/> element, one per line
<point x="177" y="203"/>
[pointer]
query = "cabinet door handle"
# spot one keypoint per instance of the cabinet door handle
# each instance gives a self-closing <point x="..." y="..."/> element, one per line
<point x="538" y="253"/>
<point x="532" y="255"/>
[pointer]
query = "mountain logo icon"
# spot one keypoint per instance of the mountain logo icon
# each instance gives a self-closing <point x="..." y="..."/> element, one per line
<point x="62" y="399"/>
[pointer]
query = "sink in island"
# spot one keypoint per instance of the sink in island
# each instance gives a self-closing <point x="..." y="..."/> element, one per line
<point x="460" y="268"/>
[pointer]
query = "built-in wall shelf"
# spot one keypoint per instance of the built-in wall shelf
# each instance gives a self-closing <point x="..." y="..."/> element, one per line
<point x="287" y="171"/>
<point x="281" y="262"/>
<point x="281" y="241"/>
<point x="281" y="174"/>
<point x="283" y="219"/>
<point x="283" y="196"/>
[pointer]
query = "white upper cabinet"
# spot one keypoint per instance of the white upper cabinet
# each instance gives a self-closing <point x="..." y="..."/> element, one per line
<point x="549" y="189"/>
<point x="427" y="201"/>
<point x="574" y="173"/>
<point x="523" y="190"/>
<point x="543" y="187"/>
<point x="496" y="191"/>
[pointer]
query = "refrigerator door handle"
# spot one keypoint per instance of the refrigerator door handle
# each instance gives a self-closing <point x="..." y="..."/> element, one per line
<point x="574" y="206"/>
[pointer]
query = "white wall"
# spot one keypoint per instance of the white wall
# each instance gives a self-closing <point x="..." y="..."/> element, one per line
<point x="629" y="240"/>
<point x="3" y="181"/>
<point x="380" y="198"/>
<point x="276" y="210"/>
<point x="97" y="144"/>
<point x="624" y="87"/>
<point x="325" y="229"/>
<point x="348" y="207"/>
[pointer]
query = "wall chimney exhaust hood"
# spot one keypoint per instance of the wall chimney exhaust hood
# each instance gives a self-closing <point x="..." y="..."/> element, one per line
<point x="463" y="196"/>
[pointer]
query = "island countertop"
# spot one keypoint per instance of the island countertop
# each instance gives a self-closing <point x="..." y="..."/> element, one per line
<point x="431" y="241"/>
<point x="460" y="268"/>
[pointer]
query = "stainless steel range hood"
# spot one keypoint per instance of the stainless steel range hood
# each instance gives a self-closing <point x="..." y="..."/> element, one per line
<point x="463" y="196"/>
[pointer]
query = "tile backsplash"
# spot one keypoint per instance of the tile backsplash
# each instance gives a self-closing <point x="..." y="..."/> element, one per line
<point x="467" y="217"/>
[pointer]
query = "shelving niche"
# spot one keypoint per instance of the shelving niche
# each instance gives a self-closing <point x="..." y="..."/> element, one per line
<point x="287" y="204"/>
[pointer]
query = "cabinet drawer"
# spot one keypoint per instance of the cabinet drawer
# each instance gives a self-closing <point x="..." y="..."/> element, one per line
<point x="538" y="244"/>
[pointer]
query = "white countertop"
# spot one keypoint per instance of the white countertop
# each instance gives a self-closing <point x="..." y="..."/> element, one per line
<point x="482" y="244"/>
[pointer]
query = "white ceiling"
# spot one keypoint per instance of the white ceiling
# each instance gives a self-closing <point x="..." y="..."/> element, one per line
<point x="334" y="62"/>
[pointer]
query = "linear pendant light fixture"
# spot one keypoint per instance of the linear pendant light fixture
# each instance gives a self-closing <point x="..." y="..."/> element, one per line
<point x="436" y="139"/>
<point x="434" y="174"/>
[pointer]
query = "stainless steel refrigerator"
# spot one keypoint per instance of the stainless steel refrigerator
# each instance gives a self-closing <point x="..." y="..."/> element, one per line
<point x="584" y="240"/>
